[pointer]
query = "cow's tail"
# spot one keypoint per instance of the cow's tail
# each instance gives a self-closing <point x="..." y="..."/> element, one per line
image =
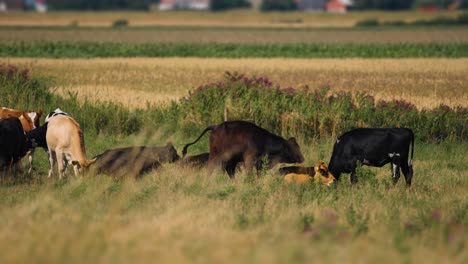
<point x="410" y="163"/>
<point x="184" y="150"/>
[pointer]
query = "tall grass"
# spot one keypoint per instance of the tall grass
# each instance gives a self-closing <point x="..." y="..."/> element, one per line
<point x="20" y="91"/>
<point x="310" y="113"/>
<point x="179" y="215"/>
<point x="305" y="112"/>
<point x="230" y="50"/>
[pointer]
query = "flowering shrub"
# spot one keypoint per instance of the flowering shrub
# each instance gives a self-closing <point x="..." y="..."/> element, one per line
<point x="312" y="113"/>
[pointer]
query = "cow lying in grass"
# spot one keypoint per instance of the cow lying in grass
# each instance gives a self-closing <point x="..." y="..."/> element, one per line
<point x="197" y="161"/>
<point x="233" y="142"/>
<point x="133" y="161"/>
<point x="301" y="175"/>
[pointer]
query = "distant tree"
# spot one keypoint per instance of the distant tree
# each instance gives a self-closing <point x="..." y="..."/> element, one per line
<point x="99" y="4"/>
<point x="383" y="4"/>
<point x="217" y="5"/>
<point x="281" y="5"/>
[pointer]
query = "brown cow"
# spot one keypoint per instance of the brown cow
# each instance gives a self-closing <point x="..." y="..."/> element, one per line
<point x="29" y="120"/>
<point x="65" y="139"/>
<point x="233" y="142"/>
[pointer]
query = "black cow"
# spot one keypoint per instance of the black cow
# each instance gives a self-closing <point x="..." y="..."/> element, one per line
<point x="233" y="142"/>
<point x="373" y="147"/>
<point x="133" y="161"/>
<point x="36" y="138"/>
<point x="13" y="143"/>
<point x="199" y="160"/>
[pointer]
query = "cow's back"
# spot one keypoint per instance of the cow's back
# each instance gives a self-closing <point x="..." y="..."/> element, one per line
<point x="65" y="133"/>
<point x="131" y="161"/>
<point x="237" y="137"/>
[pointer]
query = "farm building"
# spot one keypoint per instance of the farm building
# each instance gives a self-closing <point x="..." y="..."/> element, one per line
<point x="339" y="6"/>
<point x="21" y="5"/>
<point x="184" y="4"/>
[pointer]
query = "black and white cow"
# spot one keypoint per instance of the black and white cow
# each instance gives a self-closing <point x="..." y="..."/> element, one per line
<point x="56" y="112"/>
<point x="374" y="147"/>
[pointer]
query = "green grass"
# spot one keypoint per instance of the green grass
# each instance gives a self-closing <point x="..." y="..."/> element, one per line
<point x="181" y="215"/>
<point x="217" y="50"/>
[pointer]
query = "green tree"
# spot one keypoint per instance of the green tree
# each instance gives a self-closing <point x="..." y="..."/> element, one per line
<point x="383" y="4"/>
<point x="228" y="4"/>
<point x="99" y="4"/>
<point x="282" y="5"/>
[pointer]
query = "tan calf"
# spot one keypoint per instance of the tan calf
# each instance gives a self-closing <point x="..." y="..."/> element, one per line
<point x="320" y="174"/>
<point x="65" y="140"/>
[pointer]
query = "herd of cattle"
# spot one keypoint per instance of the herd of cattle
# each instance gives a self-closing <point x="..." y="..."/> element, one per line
<point x="230" y="144"/>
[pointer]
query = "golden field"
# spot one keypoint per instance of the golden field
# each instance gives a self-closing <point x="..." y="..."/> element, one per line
<point x="229" y="18"/>
<point x="134" y="82"/>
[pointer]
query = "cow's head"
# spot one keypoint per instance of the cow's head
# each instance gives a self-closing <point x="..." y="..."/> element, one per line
<point x="322" y="174"/>
<point x="291" y="152"/>
<point x="171" y="153"/>
<point x="83" y="165"/>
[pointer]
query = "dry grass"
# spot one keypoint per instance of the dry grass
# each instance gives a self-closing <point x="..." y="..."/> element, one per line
<point x="136" y="82"/>
<point x="179" y="215"/>
<point x="237" y="18"/>
<point x="240" y="36"/>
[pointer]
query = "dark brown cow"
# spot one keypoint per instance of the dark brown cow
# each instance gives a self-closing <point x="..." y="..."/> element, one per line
<point x="13" y="143"/>
<point x="240" y="141"/>
<point x="133" y="161"/>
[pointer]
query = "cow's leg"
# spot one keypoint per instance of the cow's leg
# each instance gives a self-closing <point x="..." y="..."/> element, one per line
<point x="395" y="172"/>
<point x="408" y="173"/>
<point x="51" y="162"/>
<point x="30" y="158"/>
<point x="60" y="162"/>
<point x="353" y="175"/>
<point x="250" y="160"/>
<point x="230" y="168"/>
<point x="213" y="164"/>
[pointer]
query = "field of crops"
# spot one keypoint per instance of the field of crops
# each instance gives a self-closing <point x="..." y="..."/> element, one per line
<point x="231" y="18"/>
<point x="179" y="214"/>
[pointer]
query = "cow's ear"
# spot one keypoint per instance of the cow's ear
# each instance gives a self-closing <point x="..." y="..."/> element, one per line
<point x="169" y="145"/>
<point x="292" y="140"/>
<point x="39" y="113"/>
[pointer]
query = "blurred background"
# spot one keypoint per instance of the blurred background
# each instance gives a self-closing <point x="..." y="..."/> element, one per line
<point x="216" y="5"/>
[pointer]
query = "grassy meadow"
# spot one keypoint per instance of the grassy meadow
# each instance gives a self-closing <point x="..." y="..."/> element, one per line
<point x="178" y="214"/>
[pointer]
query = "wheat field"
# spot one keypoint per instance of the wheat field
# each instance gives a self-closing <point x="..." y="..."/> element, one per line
<point x="244" y="18"/>
<point x="139" y="81"/>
